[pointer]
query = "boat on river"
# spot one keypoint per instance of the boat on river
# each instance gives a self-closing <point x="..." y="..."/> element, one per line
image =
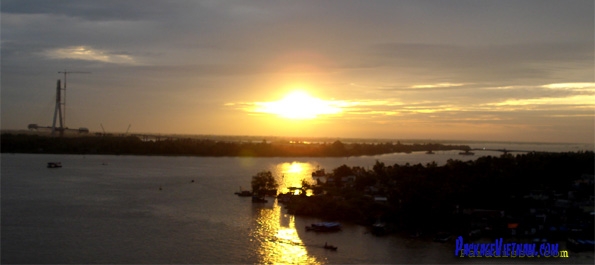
<point x="324" y="227"/>
<point x="54" y="164"/>
<point x="330" y="247"/>
<point x="244" y="193"/>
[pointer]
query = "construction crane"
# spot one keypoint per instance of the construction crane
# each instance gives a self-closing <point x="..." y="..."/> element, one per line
<point x="63" y="103"/>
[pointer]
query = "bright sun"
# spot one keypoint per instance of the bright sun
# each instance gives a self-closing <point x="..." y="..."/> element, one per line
<point x="298" y="105"/>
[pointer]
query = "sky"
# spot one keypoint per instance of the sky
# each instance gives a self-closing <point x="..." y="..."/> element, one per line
<point x="443" y="70"/>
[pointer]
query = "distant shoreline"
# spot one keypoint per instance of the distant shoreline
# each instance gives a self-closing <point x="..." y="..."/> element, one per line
<point x="139" y="145"/>
<point x="274" y="138"/>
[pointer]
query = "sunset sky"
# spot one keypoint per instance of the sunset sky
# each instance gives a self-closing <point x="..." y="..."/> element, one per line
<point x="457" y="70"/>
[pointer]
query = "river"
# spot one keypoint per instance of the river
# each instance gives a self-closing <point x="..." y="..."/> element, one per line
<point x="154" y="209"/>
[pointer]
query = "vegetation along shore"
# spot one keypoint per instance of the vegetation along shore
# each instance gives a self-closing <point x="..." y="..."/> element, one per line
<point x="133" y="145"/>
<point x="534" y="195"/>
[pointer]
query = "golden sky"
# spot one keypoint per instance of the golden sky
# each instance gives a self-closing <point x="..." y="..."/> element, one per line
<point x="462" y="70"/>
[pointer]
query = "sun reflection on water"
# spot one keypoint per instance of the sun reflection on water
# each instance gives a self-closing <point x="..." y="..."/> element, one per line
<point x="291" y="174"/>
<point x="278" y="239"/>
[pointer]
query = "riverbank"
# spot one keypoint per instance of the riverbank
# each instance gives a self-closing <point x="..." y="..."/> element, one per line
<point x="133" y="145"/>
<point x="533" y="196"/>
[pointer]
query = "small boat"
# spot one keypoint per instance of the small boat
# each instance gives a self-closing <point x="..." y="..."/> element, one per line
<point x="324" y="227"/>
<point x="244" y="193"/>
<point x="330" y="247"/>
<point x="430" y="152"/>
<point x="466" y="153"/>
<point x="54" y="164"/>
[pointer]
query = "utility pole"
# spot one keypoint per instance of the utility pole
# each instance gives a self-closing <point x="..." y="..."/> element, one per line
<point x="64" y="102"/>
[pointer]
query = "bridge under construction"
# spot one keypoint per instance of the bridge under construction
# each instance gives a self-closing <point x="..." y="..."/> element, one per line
<point x="60" y="111"/>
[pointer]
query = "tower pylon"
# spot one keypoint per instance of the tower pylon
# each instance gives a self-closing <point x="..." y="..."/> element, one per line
<point x="58" y="111"/>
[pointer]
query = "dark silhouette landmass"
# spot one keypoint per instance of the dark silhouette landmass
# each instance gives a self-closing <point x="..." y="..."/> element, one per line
<point x="133" y="145"/>
<point x="536" y="195"/>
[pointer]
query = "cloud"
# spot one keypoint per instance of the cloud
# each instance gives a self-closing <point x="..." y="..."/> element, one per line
<point x="576" y="101"/>
<point x="486" y="63"/>
<point x="94" y="10"/>
<point x="89" y="54"/>
<point x="439" y="85"/>
<point x="572" y="86"/>
<point x="475" y="105"/>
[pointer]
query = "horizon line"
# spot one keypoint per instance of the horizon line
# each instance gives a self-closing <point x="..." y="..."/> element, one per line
<point x="371" y="139"/>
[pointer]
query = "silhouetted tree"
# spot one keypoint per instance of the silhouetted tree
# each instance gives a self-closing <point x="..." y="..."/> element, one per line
<point x="263" y="182"/>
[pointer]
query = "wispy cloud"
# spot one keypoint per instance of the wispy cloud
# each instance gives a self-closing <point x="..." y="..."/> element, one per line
<point x="572" y="86"/>
<point x="510" y="105"/>
<point x="89" y="54"/>
<point x="439" y="85"/>
<point x="577" y="101"/>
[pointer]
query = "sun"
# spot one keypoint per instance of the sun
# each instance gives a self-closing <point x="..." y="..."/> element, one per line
<point x="298" y="105"/>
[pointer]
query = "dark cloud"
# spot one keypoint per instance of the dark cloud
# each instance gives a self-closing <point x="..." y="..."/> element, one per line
<point x="104" y="10"/>
<point x="487" y="63"/>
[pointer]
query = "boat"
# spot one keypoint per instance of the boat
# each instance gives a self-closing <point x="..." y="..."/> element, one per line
<point x="324" y="227"/>
<point x="330" y="247"/>
<point x="466" y="153"/>
<point x="54" y="164"/>
<point x="244" y="193"/>
<point x="430" y="152"/>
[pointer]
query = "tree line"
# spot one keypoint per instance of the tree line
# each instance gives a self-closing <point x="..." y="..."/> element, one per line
<point x="133" y="145"/>
<point x="421" y="197"/>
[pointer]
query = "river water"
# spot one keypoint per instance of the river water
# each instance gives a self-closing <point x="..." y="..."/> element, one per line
<point x="171" y="210"/>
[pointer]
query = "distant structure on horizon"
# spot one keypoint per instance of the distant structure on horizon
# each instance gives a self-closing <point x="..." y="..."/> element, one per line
<point x="59" y="114"/>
